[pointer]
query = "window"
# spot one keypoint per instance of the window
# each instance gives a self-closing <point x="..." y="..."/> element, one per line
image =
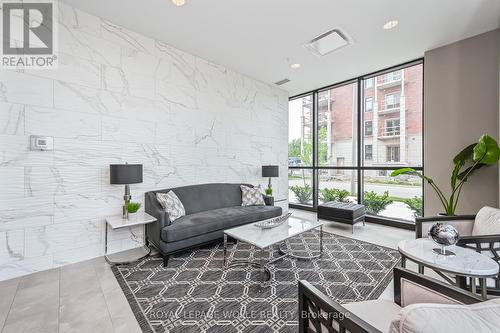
<point x="300" y="126"/>
<point x="392" y="101"/>
<point x="368" y="152"/>
<point x="392" y="127"/>
<point x="300" y="187"/>
<point x="368" y="128"/>
<point x="337" y="132"/>
<point x="393" y="76"/>
<point x="392" y="154"/>
<point x="324" y="147"/>
<point x="369" y="104"/>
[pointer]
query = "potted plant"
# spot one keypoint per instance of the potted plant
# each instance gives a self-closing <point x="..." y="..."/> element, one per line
<point x="269" y="191"/>
<point x="472" y="158"/>
<point x="132" y="208"/>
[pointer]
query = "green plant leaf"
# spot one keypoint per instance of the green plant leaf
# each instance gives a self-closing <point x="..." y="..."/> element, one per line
<point x="462" y="174"/>
<point x="133" y="207"/>
<point x="465" y="154"/>
<point x="486" y="151"/>
<point x="404" y="171"/>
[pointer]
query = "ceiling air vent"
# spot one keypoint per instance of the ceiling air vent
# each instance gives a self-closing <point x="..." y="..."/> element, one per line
<point x="328" y="42"/>
<point x="282" y="82"/>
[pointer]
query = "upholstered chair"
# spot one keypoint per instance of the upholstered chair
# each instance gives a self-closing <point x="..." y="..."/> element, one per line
<point x="479" y="232"/>
<point x="421" y="304"/>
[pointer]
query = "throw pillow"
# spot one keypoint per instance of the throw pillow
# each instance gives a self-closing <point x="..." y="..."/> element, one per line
<point x="251" y="196"/>
<point x="439" y="318"/>
<point x="172" y="205"/>
<point x="487" y="222"/>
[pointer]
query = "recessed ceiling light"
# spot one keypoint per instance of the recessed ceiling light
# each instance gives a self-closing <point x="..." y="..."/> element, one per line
<point x="179" y="3"/>
<point x="390" y="24"/>
<point x="295" y="66"/>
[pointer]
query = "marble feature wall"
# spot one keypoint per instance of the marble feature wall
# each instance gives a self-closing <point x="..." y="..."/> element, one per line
<point x="118" y="97"/>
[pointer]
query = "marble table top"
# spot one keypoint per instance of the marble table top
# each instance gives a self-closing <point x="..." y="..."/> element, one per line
<point x="118" y="222"/>
<point x="262" y="238"/>
<point x="465" y="262"/>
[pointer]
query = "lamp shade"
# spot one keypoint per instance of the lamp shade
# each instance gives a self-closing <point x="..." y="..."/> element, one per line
<point x="125" y="174"/>
<point x="270" y="171"/>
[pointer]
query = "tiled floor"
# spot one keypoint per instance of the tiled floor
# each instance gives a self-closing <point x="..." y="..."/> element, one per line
<point x="86" y="297"/>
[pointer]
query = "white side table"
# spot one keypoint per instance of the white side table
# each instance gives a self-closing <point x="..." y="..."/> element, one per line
<point x="465" y="262"/>
<point x="118" y="222"/>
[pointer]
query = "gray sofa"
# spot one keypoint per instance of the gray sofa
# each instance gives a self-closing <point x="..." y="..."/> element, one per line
<point x="210" y="209"/>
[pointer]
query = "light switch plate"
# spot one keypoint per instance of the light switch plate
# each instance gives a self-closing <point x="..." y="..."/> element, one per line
<point x="38" y="142"/>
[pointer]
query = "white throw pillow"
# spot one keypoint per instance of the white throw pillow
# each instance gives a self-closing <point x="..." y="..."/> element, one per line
<point x="251" y="196"/>
<point x="172" y="205"/>
<point x="487" y="222"/>
<point x="481" y="317"/>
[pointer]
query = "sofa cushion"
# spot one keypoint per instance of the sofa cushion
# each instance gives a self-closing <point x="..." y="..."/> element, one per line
<point x="487" y="222"/>
<point x="378" y="313"/>
<point x="216" y="219"/>
<point x="440" y="318"/>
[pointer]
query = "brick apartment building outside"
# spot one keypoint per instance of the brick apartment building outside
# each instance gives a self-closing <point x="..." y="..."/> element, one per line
<point x="392" y="121"/>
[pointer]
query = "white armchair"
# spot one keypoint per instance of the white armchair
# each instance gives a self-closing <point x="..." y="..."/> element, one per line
<point x="479" y="232"/>
<point x="421" y="304"/>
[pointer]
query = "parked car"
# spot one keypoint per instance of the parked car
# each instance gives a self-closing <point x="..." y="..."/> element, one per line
<point x="294" y="161"/>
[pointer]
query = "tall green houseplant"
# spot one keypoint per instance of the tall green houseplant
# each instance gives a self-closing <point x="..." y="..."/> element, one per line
<point x="472" y="158"/>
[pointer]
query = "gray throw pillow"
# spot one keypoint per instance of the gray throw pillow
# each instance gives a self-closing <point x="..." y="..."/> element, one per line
<point x="172" y="205"/>
<point x="251" y="196"/>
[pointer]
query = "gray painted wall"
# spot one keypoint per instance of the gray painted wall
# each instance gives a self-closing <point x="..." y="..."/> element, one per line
<point x="460" y="104"/>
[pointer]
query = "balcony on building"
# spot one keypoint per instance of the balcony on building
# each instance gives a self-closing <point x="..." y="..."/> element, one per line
<point x="390" y="108"/>
<point x="388" y="80"/>
<point x="389" y="132"/>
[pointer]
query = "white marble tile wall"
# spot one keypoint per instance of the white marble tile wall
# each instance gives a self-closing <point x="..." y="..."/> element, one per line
<point x="117" y="97"/>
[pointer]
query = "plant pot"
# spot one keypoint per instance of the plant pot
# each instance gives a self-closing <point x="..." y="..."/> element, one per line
<point x="444" y="214"/>
<point x="132" y="216"/>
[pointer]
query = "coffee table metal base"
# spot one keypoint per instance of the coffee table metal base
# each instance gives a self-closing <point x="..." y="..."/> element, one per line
<point x="262" y="263"/>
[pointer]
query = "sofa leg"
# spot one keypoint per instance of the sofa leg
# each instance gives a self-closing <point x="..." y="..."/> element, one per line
<point x="165" y="260"/>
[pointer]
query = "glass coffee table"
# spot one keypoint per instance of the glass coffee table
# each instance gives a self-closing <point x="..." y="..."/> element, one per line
<point x="263" y="239"/>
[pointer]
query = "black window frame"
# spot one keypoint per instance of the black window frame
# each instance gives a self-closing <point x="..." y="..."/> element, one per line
<point x="359" y="167"/>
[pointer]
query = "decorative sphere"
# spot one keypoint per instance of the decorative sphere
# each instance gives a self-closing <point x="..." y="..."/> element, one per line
<point x="443" y="234"/>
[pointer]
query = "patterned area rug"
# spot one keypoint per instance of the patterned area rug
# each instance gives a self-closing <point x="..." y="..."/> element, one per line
<point x="195" y="294"/>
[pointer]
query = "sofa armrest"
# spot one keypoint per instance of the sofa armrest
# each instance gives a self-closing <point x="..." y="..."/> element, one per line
<point x="318" y="313"/>
<point x="463" y="223"/>
<point x="411" y="288"/>
<point x="153" y="208"/>
<point x="269" y="200"/>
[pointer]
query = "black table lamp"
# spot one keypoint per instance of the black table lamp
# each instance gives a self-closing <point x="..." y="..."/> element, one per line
<point x="125" y="174"/>
<point x="270" y="171"/>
